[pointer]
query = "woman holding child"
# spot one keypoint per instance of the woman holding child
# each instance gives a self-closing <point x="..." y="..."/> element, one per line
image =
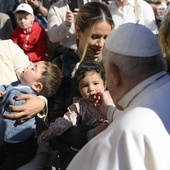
<point x="93" y="24"/>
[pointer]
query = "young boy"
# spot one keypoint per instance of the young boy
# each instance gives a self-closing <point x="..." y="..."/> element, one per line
<point x="29" y="35"/>
<point x="42" y="78"/>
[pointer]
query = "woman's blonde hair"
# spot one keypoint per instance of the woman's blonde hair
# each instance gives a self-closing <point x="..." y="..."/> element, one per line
<point x="88" y="16"/>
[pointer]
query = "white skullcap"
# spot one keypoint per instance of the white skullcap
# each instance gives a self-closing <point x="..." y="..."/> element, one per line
<point x="133" y="40"/>
<point x="24" y="7"/>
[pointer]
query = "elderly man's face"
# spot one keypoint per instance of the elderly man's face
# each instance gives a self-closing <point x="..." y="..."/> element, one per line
<point x="108" y="71"/>
<point x="113" y="76"/>
<point x="121" y="3"/>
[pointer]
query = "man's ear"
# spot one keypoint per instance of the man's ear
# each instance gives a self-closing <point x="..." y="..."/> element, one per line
<point x="115" y="73"/>
<point x="37" y="86"/>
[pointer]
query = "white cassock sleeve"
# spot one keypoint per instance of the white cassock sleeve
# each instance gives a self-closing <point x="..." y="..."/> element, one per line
<point x="137" y="140"/>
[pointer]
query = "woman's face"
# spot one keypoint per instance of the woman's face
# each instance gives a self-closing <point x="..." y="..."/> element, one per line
<point x="96" y="41"/>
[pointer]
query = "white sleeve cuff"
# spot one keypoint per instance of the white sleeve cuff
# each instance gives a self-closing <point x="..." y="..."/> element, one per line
<point x="43" y="113"/>
<point x="110" y="113"/>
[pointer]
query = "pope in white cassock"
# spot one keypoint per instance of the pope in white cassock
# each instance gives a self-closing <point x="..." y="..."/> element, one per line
<point x="138" y="136"/>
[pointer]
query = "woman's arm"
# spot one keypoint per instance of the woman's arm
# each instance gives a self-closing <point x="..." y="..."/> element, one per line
<point x="29" y="109"/>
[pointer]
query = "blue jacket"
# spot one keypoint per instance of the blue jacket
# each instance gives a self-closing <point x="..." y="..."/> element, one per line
<point x="11" y="129"/>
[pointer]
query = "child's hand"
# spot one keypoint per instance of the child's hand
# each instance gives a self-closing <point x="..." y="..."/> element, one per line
<point x="44" y="135"/>
<point x="102" y="126"/>
<point x="102" y="100"/>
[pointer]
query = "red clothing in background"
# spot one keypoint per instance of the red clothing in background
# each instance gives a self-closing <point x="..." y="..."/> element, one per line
<point x="33" y="41"/>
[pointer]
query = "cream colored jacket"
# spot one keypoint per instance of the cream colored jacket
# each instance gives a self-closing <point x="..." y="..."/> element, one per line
<point x="12" y="61"/>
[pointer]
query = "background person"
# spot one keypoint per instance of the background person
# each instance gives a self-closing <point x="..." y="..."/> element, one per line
<point x="135" y="11"/>
<point x="29" y="35"/>
<point x="137" y="81"/>
<point x="160" y="8"/>
<point x="40" y="8"/>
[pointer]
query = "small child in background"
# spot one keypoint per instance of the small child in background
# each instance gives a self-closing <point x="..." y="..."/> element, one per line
<point x="89" y="79"/>
<point x="29" y="35"/>
<point x="42" y="78"/>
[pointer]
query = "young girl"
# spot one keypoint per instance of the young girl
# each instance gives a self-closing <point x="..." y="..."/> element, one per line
<point x="89" y="79"/>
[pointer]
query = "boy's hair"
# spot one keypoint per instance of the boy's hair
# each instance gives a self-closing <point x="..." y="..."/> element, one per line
<point x="51" y="79"/>
<point x="89" y="66"/>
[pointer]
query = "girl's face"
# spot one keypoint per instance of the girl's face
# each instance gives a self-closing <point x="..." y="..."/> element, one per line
<point x="90" y="85"/>
<point x="96" y="41"/>
<point x="24" y="20"/>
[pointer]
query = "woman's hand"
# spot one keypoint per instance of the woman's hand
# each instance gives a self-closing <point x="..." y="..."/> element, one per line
<point x="29" y="109"/>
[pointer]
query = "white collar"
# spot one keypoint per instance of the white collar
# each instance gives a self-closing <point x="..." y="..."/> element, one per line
<point x="143" y="88"/>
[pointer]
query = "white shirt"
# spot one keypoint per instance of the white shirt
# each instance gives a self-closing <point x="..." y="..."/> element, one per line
<point x="58" y="31"/>
<point x="12" y="61"/>
<point x="137" y="138"/>
<point x="127" y="14"/>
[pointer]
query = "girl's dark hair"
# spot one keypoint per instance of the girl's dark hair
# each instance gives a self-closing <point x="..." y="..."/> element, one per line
<point x="89" y="66"/>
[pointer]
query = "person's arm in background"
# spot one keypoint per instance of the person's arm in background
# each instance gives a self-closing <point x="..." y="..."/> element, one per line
<point x="57" y="23"/>
<point x="38" y="6"/>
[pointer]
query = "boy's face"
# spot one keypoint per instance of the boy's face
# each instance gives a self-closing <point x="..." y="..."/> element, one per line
<point x="90" y="85"/>
<point x="24" y="20"/>
<point x="32" y="73"/>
